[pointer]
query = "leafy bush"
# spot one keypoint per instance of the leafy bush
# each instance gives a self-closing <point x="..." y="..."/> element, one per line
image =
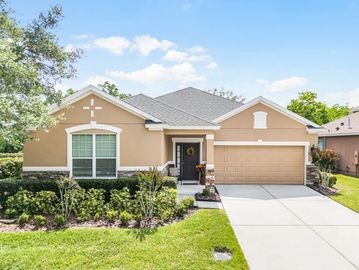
<point x="111" y="215"/>
<point x="188" y="202"/>
<point x="165" y="204"/>
<point x="45" y="202"/>
<point x="23" y="219"/>
<point x="125" y="217"/>
<point x="59" y="220"/>
<point x="328" y="179"/>
<point x="10" y="167"/>
<point x="206" y="192"/>
<point x="9" y="187"/>
<point x="181" y="210"/>
<point x="40" y="220"/>
<point x="325" y="159"/>
<point x="170" y="182"/>
<point x="21" y="202"/>
<point x="91" y="202"/>
<point x="69" y="190"/>
<point x="12" y="155"/>
<point x="121" y="200"/>
<point x="97" y="216"/>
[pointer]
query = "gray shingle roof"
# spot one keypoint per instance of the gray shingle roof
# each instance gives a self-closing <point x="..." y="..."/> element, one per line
<point x="165" y="112"/>
<point x="200" y="103"/>
<point x="346" y="125"/>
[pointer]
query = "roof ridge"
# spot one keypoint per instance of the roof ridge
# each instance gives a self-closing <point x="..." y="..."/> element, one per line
<point x="202" y="91"/>
<point x="178" y="109"/>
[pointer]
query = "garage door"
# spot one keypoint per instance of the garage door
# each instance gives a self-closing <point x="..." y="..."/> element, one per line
<point x="259" y="164"/>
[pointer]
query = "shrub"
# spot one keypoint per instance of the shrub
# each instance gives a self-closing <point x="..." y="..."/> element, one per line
<point x="206" y="192"/>
<point x="149" y="184"/>
<point x="10" y="167"/>
<point x="91" y="201"/>
<point x="68" y="189"/>
<point x="125" y="217"/>
<point x="23" y="219"/>
<point x="59" y="220"/>
<point x="45" y="202"/>
<point x="328" y="179"/>
<point x="165" y="204"/>
<point x="97" y="216"/>
<point x="170" y="182"/>
<point x="111" y="215"/>
<point x="40" y="220"/>
<point x="13" y="155"/>
<point x="83" y="216"/>
<point x="181" y="210"/>
<point x="21" y="202"/>
<point x="121" y="200"/>
<point x="188" y="202"/>
<point x="325" y="159"/>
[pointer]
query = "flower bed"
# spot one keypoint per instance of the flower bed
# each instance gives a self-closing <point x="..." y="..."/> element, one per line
<point x="151" y="205"/>
<point x="209" y="194"/>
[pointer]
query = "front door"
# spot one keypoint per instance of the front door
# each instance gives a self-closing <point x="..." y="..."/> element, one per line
<point x="190" y="158"/>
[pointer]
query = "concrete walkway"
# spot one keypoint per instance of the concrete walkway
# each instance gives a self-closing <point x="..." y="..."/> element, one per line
<point x="291" y="227"/>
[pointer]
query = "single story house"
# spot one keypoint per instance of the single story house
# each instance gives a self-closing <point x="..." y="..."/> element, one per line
<point x="100" y="136"/>
<point x="342" y="135"/>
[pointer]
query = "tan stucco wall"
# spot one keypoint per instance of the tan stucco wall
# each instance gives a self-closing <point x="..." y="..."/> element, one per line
<point x="279" y="128"/>
<point x="138" y="146"/>
<point x="345" y="147"/>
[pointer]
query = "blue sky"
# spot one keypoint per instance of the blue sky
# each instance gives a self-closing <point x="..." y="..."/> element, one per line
<point x="269" y="48"/>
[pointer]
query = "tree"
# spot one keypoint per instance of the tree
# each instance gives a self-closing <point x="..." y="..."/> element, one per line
<point x="226" y="94"/>
<point x="69" y="92"/>
<point x="112" y="89"/>
<point x="31" y="63"/>
<point x="316" y="111"/>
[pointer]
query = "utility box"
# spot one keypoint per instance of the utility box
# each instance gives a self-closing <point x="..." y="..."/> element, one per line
<point x="356" y="157"/>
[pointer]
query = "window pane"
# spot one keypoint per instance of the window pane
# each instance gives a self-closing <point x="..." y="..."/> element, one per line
<point x="105" y="145"/>
<point x="82" y="167"/>
<point x="82" y="145"/>
<point x="105" y="167"/>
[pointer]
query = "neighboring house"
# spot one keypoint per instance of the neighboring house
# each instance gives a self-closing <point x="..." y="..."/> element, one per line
<point x="99" y="136"/>
<point x="342" y="135"/>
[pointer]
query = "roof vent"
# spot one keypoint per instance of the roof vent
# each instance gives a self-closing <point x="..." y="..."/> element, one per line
<point x="342" y="124"/>
<point x="349" y="124"/>
<point x="337" y="128"/>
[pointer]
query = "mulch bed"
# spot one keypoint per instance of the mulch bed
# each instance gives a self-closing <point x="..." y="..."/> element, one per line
<point x="327" y="191"/>
<point x="208" y="198"/>
<point x="10" y="225"/>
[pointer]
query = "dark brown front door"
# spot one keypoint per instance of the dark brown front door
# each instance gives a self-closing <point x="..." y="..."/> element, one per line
<point x="190" y="158"/>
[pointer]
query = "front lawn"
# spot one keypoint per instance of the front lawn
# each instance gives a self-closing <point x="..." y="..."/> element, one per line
<point x="348" y="191"/>
<point x="185" y="245"/>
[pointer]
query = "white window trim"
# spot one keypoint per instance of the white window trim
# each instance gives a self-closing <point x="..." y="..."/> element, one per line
<point x="305" y="144"/>
<point x="187" y="140"/>
<point x="92" y="125"/>
<point x="260" y="120"/>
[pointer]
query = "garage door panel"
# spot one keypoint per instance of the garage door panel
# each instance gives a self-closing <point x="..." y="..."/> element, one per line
<point x="259" y="164"/>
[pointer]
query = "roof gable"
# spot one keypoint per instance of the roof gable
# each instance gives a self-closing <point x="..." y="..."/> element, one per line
<point x="270" y="104"/>
<point x="90" y="89"/>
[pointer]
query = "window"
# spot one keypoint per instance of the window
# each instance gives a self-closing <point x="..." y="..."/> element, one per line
<point x="321" y="143"/>
<point x="260" y="120"/>
<point x="94" y="155"/>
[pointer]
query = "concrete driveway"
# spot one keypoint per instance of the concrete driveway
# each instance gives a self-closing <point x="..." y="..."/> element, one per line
<point x="291" y="227"/>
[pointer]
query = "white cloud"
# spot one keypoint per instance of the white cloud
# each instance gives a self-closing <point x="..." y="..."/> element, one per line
<point x="180" y="56"/>
<point x="211" y="65"/>
<point x="146" y="44"/>
<point x="283" y="85"/>
<point x="96" y="80"/>
<point x="183" y="73"/>
<point x="115" y="44"/>
<point x="343" y="97"/>
<point x="197" y="49"/>
<point x="83" y="36"/>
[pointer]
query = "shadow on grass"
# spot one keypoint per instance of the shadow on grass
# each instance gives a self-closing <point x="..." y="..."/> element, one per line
<point x="141" y="233"/>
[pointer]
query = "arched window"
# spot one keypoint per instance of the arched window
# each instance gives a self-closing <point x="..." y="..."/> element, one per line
<point x="260" y="120"/>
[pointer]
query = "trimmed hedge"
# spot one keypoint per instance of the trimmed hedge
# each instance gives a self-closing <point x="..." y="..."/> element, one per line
<point x="10" y="167"/>
<point x="6" y="155"/>
<point x="9" y="187"/>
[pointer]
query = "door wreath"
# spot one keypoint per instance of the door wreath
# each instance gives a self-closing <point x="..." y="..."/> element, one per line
<point x="190" y="151"/>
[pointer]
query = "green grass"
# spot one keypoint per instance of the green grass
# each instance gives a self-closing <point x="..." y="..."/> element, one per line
<point x="348" y="191"/>
<point x="185" y="245"/>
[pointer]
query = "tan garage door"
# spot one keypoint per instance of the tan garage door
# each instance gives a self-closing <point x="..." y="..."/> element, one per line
<point x="259" y="164"/>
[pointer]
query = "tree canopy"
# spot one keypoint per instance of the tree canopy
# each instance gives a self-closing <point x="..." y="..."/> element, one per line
<point x="316" y="111"/>
<point x="113" y="90"/>
<point x="229" y="94"/>
<point x="32" y="62"/>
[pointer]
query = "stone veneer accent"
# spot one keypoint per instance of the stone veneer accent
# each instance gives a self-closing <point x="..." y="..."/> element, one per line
<point x="45" y="175"/>
<point x="313" y="176"/>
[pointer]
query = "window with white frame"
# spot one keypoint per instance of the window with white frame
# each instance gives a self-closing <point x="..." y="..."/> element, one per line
<point x="260" y="120"/>
<point x="94" y="155"/>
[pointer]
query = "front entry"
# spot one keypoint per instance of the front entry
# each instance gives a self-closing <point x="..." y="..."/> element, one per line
<point x="188" y="156"/>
